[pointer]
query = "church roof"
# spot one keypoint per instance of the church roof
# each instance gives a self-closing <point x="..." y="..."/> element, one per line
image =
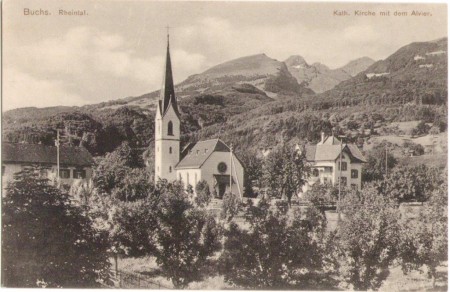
<point x="199" y="153"/>
<point x="167" y="95"/>
<point x="42" y="154"/>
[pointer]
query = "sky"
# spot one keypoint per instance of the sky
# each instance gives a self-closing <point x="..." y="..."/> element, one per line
<point x="117" y="50"/>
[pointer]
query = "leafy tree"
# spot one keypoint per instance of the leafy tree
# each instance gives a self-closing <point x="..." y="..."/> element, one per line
<point x="117" y="175"/>
<point x="204" y="195"/>
<point x="46" y="240"/>
<point x="186" y="237"/>
<point x="411" y="183"/>
<point x="375" y="168"/>
<point x="425" y="242"/>
<point x="253" y="172"/>
<point x="273" y="253"/>
<point x="367" y="238"/>
<point x="231" y="205"/>
<point x="321" y="194"/>
<point x="421" y="129"/>
<point x="285" y="172"/>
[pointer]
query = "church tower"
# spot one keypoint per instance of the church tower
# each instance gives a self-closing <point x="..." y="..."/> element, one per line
<point x="167" y="127"/>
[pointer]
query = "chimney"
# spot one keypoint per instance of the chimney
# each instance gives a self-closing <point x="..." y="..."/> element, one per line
<point x="322" y="137"/>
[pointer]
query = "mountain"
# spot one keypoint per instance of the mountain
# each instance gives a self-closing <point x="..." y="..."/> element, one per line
<point x="356" y="66"/>
<point x="256" y="102"/>
<point x="415" y="73"/>
<point x="319" y="77"/>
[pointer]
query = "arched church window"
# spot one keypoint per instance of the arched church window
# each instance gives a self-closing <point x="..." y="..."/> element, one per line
<point x="170" y="128"/>
<point x="170" y="169"/>
<point x="187" y="178"/>
<point x="170" y="150"/>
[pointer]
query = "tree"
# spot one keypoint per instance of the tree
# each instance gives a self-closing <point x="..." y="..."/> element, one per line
<point x="420" y="129"/>
<point x="253" y="172"/>
<point x="367" y="238"/>
<point x="186" y="237"/>
<point x="46" y="240"/>
<point x="411" y="183"/>
<point x="204" y="195"/>
<point x="273" y="253"/>
<point x="321" y="194"/>
<point x="425" y="242"/>
<point x="118" y="175"/>
<point x="285" y="172"/>
<point x="375" y="168"/>
<point x="231" y="205"/>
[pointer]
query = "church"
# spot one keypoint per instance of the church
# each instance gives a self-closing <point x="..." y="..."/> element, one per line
<point x="212" y="160"/>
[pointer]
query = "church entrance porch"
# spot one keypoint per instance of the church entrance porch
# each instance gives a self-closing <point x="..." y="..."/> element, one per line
<point x="222" y="184"/>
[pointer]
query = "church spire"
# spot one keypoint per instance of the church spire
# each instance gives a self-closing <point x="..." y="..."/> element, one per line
<point x="168" y="91"/>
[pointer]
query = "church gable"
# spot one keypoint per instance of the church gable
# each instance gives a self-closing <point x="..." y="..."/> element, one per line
<point x="196" y="155"/>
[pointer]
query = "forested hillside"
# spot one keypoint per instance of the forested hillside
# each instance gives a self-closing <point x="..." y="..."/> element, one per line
<point x="230" y="101"/>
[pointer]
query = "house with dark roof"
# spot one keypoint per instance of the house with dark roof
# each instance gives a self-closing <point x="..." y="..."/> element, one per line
<point x="330" y="160"/>
<point x="75" y="162"/>
<point x="210" y="160"/>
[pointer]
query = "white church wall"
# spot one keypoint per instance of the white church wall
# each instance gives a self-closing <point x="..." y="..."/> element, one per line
<point x="189" y="176"/>
<point x="210" y="168"/>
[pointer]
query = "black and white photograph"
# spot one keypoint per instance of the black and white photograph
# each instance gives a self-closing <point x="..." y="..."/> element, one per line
<point x="224" y="145"/>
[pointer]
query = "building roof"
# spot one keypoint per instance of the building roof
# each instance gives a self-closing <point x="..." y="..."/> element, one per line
<point x="167" y="96"/>
<point x="330" y="140"/>
<point x="330" y="152"/>
<point x="42" y="154"/>
<point x="199" y="153"/>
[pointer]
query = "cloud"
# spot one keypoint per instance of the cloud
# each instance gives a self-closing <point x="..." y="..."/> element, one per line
<point x="87" y="65"/>
<point x="22" y="90"/>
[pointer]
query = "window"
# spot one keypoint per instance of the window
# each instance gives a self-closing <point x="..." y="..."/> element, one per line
<point x="170" y="169"/>
<point x="325" y="180"/>
<point x="187" y="178"/>
<point x="195" y="179"/>
<point x="170" y="150"/>
<point x="198" y="151"/>
<point x="206" y="150"/>
<point x="354" y="187"/>
<point x="79" y="173"/>
<point x="157" y="149"/>
<point x="315" y="172"/>
<point x="343" y="181"/>
<point x="344" y="165"/>
<point x="179" y="176"/>
<point x="222" y="167"/>
<point x="354" y="173"/>
<point x="64" y="173"/>
<point x="3" y="170"/>
<point x="170" y="128"/>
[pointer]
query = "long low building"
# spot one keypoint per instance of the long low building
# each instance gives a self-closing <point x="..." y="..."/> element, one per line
<point x="75" y="162"/>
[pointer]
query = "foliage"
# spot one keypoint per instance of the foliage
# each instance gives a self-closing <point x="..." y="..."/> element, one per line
<point x="273" y="253"/>
<point x="411" y="183"/>
<point x="47" y="241"/>
<point x="367" y="238"/>
<point x="231" y="205"/>
<point x="285" y="172"/>
<point x="426" y="242"/>
<point x="375" y="168"/>
<point x="116" y="175"/>
<point x="416" y="148"/>
<point x="321" y="194"/>
<point x="186" y="237"/>
<point x="204" y="195"/>
<point x="421" y="129"/>
<point x="253" y="172"/>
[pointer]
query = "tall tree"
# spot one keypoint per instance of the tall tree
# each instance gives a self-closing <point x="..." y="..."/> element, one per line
<point x="285" y="172"/>
<point x="186" y="237"/>
<point x="426" y="242"/>
<point x="46" y="240"/>
<point x="367" y="238"/>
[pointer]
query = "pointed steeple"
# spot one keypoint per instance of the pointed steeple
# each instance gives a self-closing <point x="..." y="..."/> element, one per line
<point x="168" y="91"/>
